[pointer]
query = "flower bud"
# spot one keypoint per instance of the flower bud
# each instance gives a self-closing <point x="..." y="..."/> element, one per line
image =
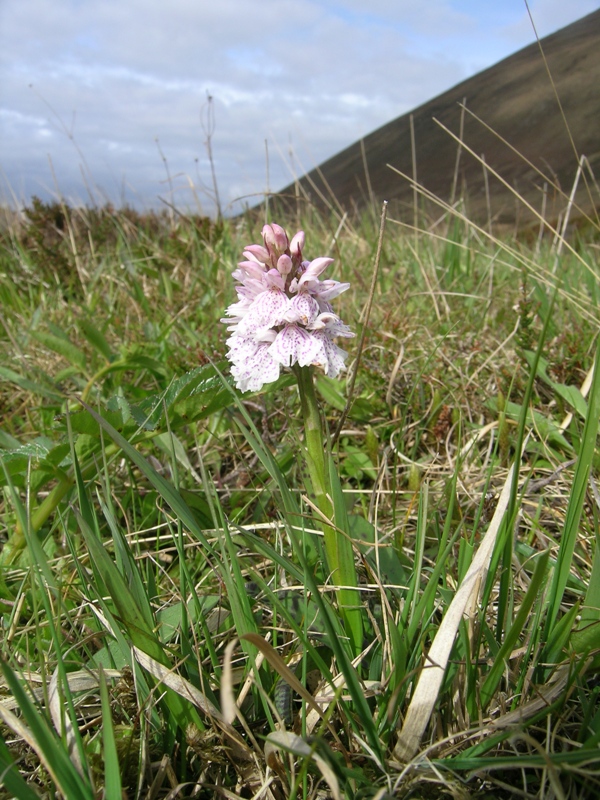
<point x="257" y="252"/>
<point x="276" y="240"/>
<point x="297" y="244"/>
<point x="284" y="264"/>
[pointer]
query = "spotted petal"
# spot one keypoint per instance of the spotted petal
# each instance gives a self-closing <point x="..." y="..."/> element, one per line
<point x="294" y="345"/>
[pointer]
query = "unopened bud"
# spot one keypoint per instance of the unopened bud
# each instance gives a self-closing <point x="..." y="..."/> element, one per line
<point x="276" y="239"/>
<point x="297" y="244"/>
<point x="284" y="264"/>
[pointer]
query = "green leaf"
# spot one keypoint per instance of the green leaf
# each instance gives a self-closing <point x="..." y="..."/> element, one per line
<point x="587" y="635"/>
<point x="49" y="746"/>
<point x="500" y="661"/>
<point x="8" y="442"/>
<point x="195" y="395"/>
<point x="34" y="450"/>
<point x="570" y="394"/>
<point x="560" y="634"/>
<point x="30" y="386"/>
<point x="576" y="501"/>
<point x="11" y="778"/>
<point x="95" y="338"/>
<point x="128" y="567"/>
<point x="330" y="391"/>
<point x="120" y="404"/>
<point x="63" y="346"/>
<point x="112" y="769"/>
<point x="547" y="429"/>
<point x="356" y="463"/>
<point x="82" y="422"/>
<point x="383" y="559"/>
<point x="349" y="600"/>
<point x="140" y="630"/>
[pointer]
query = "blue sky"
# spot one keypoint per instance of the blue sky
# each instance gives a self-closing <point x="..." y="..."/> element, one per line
<point x="97" y="99"/>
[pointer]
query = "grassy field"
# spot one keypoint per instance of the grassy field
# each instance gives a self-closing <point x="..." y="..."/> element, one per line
<point x="189" y="610"/>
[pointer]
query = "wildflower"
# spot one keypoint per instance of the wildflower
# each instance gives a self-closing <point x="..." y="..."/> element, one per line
<point x="283" y="315"/>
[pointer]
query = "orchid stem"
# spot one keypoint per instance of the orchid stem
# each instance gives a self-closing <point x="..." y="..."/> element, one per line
<point x="338" y="546"/>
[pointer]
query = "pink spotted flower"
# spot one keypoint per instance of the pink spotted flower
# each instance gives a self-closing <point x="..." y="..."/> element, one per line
<point x="283" y="315"/>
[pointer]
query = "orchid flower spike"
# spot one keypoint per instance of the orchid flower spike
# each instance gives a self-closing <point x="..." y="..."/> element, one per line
<point x="283" y="315"/>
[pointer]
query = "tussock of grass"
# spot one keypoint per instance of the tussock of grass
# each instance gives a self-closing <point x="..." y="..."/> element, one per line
<point x="161" y="565"/>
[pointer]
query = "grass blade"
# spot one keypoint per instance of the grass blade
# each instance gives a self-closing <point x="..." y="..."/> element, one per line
<point x="430" y="680"/>
<point x="48" y="746"/>
<point x="576" y="501"/>
<point x="512" y="635"/>
<point x="10" y="777"/>
<point x="112" y="769"/>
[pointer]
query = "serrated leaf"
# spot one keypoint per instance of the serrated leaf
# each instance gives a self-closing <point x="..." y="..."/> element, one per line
<point x="119" y="403"/>
<point x="35" y="449"/>
<point x="189" y="397"/>
<point x="17" y="461"/>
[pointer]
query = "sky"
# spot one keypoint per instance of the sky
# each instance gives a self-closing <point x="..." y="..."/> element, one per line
<point x="125" y="100"/>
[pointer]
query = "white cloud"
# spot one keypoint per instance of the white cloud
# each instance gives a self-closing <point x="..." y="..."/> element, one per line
<point x="111" y="78"/>
<point x="548" y="16"/>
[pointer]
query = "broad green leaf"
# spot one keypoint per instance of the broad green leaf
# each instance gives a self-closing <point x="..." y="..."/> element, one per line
<point x="121" y="404"/>
<point x="382" y="557"/>
<point x="81" y="422"/>
<point x="95" y="337"/>
<point x="42" y="389"/>
<point x="192" y="396"/>
<point x="330" y="391"/>
<point x="63" y="346"/>
<point x="570" y="394"/>
<point x="8" y="442"/>
<point x="546" y="428"/>
<point x="357" y="463"/>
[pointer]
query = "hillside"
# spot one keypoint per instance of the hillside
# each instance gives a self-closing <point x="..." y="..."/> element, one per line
<point x="516" y="99"/>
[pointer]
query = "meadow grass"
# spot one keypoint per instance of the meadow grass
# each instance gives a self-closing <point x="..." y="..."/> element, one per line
<point x="169" y="625"/>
